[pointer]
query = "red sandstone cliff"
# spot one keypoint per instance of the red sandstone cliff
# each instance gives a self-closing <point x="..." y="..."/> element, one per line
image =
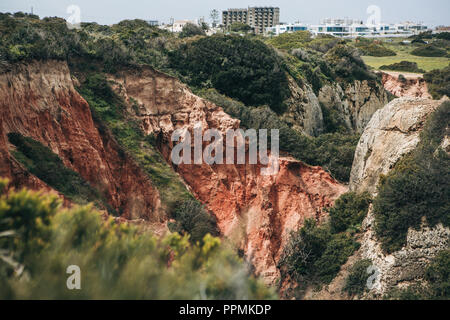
<point x="39" y="100"/>
<point x="256" y="212"/>
<point x="412" y="86"/>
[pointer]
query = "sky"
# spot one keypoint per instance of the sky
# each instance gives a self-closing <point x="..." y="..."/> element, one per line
<point x="431" y="12"/>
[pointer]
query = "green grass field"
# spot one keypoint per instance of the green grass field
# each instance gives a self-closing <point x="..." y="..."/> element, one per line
<point x="403" y="54"/>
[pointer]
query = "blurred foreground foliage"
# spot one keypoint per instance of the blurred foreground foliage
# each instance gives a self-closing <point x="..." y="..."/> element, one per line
<point x="39" y="239"/>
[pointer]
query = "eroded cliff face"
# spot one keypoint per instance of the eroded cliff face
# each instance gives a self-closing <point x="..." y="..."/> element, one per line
<point x="303" y="110"/>
<point x="413" y="86"/>
<point x="355" y="103"/>
<point x="404" y="267"/>
<point x="393" y="132"/>
<point x="38" y="100"/>
<point x="256" y="212"/>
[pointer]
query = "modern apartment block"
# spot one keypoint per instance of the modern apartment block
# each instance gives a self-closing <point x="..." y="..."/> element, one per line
<point x="231" y="16"/>
<point x="259" y="18"/>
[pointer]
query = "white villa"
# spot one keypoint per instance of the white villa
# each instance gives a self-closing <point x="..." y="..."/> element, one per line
<point x="349" y="28"/>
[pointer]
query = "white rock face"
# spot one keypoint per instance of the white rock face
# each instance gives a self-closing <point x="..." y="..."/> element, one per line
<point x="303" y="110"/>
<point x="406" y="266"/>
<point x="392" y="132"/>
<point x="355" y="103"/>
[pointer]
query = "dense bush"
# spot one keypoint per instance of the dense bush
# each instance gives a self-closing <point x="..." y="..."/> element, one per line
<point x="290" y="40"/>
<point x="117" y="261"/>
<point x="127" y="43"/>
<point x="314" y="255"/>
<point x="356" y="282"/>
<point x="375" y="50"/>
<point x="190" y="30"/>
<point x="438" y="82"/>
<point x="47" y="166"/>
<point x="429" y="51"/>
<point x="191" y="217"/>
<point x="436" y="287"/>
<point x="349" y="211"/>
<point x="240" y="27"/>
<point x="347" y="63"/>
<point x="238" y="67"/>
<point x="25" y="38"/>
<point x="443" y="35"/>
<point x="417" y="187"/>
<point x="403" y="66"/>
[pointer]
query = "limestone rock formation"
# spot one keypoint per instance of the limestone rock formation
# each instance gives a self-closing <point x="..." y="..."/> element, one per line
<point x="406" y="266"/>
<point x="303" y="110"/>
<point x="391" y="133"/>
<point x="355" y="103"/>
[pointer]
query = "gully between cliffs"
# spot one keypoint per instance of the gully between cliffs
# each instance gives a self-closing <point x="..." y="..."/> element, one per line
<point x="256" y="212"/>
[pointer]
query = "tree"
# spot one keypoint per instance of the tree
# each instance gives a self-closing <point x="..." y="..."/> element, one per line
<point x="214" y="15"/>
<point x="190" y="30"/>
<point x="240" y="27"/>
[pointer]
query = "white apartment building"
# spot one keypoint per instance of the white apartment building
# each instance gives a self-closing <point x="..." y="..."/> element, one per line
<point x="350" y="28"/>
<point x="290" y="27"/>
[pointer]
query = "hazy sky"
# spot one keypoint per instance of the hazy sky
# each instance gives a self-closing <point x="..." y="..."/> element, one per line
<point x="432" y="12"/>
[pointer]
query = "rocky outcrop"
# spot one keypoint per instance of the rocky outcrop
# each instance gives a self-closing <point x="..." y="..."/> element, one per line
<point x="411" y="85"/>
<point x="391" y="133"/>
<point x="406" y="266"/>
<point x="38" y="100"/>
<point x="256" y="212"/>
<point x="355" y="103"/>
<point x="303" y="110"/>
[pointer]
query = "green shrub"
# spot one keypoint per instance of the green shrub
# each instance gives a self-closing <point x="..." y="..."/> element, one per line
<point x="403" y="66"/>
<point x="129" y="42"/>
<point x="292" y="40"/>
<point x="47" y="166"/>
<point x="347" y="64"/>
<point x="429" y="51"/>
<point x="191" y="30"/>
<point x="443" y="35"/>
<point x="236" y="66"/>
<point x="349" y="211"/>
<point x="437" y="275"/>
<point x="117" y="261"/>
<point x="417" y="187"/>
<point x="375" y="50"/>
<point x="438" y="82"/>
<point x="192" y="217"/>
<point x="314" y="255"/>
<point x="356" y="282"/>
<point x="240" y="27"/>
